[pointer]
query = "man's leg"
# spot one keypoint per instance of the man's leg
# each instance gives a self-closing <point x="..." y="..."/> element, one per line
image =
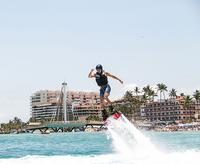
<point x="102" y="102"/>
<point x="107" y="94"/>
<point x="106" y="97"/>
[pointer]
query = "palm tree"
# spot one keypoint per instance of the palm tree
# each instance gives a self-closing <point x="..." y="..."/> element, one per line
<point x="187" y="103"/>
<point x="128" y="97"/>
<point x="152" y="94"/>
<point x="133" y="104"/>
<point x="16" y="120"/>
<point x="144" y="99"/>
<point x="10" y="124"/>
<point x="162" y="88"/>
<point x="172" y="93"/>
<point x="182" y="94"/>
<point x="136" y="90"/>
<point x="196" y="95"/>
<point x="32" y="119"/>
<point x="149" y="93"/>
<point x="146" y="89"/>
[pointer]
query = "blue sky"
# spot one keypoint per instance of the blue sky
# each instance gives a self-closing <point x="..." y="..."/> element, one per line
<point x="45" y="42"/>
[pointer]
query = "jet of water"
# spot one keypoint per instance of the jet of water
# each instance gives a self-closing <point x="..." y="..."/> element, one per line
<point x="128" y="139"/>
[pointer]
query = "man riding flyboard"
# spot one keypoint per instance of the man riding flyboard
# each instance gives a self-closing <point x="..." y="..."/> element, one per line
<point x="102" y="81"/>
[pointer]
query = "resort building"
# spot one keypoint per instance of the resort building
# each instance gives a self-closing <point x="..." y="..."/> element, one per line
<point x="84" y="104"/>
<point x="44" y="104"/>
<point x="171" y="110"/>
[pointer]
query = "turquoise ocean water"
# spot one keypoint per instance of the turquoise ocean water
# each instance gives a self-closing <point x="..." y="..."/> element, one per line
<point x="91" y="145"/>
<point x="20" y="145"/>
<point x="122" y="143"/>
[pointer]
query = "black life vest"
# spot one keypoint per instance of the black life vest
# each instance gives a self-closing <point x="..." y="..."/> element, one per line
<point x="101" y="79"/>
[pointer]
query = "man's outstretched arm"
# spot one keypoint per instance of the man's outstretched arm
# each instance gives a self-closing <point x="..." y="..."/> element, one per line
<point x="114" y="77"/>
<point x="91" y="75"/>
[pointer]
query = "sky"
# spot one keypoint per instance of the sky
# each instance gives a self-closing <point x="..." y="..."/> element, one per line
<point x="43" y="43"/>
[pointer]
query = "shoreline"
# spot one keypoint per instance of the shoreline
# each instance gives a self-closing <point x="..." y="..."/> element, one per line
<point x="141" y="125"/>
<point x="193" y="126"/>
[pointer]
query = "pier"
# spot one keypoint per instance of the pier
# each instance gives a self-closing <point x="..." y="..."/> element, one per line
<point x="65" y="127"/>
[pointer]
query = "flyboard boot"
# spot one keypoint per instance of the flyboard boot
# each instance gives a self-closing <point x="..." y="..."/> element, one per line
<point x="112" y="112"/>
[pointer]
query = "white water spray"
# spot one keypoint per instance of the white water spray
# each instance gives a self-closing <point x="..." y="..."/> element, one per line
<point x="136" y="148"/>
<point x="128" y="140"/>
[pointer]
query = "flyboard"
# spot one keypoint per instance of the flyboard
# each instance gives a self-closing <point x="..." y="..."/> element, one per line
<point x="113" y="114"/>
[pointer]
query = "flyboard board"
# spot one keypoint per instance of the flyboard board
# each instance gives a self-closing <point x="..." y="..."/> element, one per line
<point x="113" y="115"/>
